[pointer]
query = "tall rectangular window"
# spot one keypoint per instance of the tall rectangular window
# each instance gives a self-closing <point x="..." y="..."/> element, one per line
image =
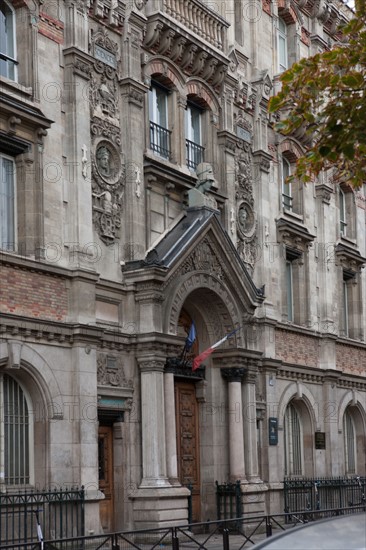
<point x="286" y="186"/>
<point x="282" y="46"/>
<point x="194" y="149"/>
<point x="289" y="291"/>
<point x="342" y="213"/>
<point x="158" y="112"/>
<point x="7" y="203"/>
<point x="8" y="62"/>
<point x="293" y="442"/>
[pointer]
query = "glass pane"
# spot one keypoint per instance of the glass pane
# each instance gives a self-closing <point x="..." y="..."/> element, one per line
<point x="7" y="204"/>
<point x="161" y="107"/>
<point x="289" y="291"/>
<point x="6" y="39"/>
<point x="282" y="52"/>
<point x="16" y="433"/>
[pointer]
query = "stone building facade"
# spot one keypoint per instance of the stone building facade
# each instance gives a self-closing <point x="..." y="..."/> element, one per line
<point x="143" y="187"/>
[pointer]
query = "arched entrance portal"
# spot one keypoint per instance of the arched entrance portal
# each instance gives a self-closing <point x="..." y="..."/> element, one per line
<point x="200" y="459"/>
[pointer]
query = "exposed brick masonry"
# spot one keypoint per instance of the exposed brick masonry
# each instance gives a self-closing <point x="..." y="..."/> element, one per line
<point x="296" y="348"/>
<point x="50" y="27"/>
<point x="351" y="359"/>
<point x="32" y="294"/>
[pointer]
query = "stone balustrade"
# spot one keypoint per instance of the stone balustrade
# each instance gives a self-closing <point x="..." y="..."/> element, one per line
<point x="200" y="19"/>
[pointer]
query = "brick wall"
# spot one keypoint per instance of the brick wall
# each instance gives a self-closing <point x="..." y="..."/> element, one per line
<point x="296" y="348"/>
<point x="50" y="27"/>
<point x="351" y="359"/>
<point x="32" y="294"/>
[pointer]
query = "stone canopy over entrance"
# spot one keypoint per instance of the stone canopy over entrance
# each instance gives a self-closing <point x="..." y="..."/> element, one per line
<point x="193" y="267"/>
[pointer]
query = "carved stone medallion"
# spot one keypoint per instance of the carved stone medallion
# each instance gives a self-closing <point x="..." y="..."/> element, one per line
<point x="108" y="189"/>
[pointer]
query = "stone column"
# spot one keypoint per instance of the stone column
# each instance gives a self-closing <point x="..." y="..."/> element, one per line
<point x="170" y="428"/>
<point x="250" y="432"/>
<point x="234" y="377"/>
<point x="154" y="473"/>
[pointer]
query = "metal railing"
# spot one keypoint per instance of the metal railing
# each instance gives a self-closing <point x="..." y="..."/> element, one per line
<point x="194" y="154"/>
<point x="160" y="140"/>
<point x="57" y="513"/>
<point x="214" y="534"/>
<point x="228" y="500"/>
<point x="323" y="493"/>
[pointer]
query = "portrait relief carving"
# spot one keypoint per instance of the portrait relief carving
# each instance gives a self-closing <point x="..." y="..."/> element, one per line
<point x="108" y="189"/>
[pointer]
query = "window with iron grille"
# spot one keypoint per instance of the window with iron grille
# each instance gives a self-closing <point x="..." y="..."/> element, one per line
<point x="15" y="433"/>
<point x="349" y="443"/>
<point x="158" y="112"/>
<point x="194" y="148"/>
<point x="293" y="442"/>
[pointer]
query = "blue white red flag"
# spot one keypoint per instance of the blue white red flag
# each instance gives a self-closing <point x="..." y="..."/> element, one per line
<point x="202" y="356"/>
<point x="191" y="337"/>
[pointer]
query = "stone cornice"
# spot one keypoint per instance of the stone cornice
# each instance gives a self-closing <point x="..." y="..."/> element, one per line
<point x="238" y="358"/>
<point x="28" y="264"/>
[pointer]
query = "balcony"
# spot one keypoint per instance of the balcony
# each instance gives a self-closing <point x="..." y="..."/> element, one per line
<point x="191" y="34"/>
<point x="194" y="154"/>
<point x="160" y="140"/>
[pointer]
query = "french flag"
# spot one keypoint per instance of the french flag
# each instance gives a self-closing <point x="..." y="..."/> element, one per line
<point x="202" y="356"/>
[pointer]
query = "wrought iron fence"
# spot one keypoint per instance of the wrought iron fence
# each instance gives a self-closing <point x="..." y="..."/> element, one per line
<point x="228" y="500"/>
<point x="212" y="534"/>
<point x="323" y="493"/>
<point x="54" y="513"/>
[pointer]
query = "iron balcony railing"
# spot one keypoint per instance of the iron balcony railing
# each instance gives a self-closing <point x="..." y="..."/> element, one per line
<point x="160" y="140"/>
<point x="194" y="154"/>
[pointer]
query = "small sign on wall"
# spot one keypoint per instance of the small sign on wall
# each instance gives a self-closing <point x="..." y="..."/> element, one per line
<point x="320" y="440"/>
<point x="273" y="430"/>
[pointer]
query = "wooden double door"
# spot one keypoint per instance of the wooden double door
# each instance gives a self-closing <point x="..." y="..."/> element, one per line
<point x="188" y="449"/>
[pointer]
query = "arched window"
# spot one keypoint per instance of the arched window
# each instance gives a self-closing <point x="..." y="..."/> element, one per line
<point x="15" y="433"/>
<point x="349" y="435"/>
<point x="8" y="61"/>
<point x="293" y="440"/>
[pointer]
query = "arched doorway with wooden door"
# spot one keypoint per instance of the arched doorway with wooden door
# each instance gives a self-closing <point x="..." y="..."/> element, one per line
<point x="201" y="403"/>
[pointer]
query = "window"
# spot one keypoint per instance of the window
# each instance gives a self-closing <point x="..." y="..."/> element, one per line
<point x="349" y="434"/>
<point x="158" y="111"/>
<point x="282" y="46"/>
<point x="7" y="203"/>
<point x="342" y="213"/>
<point x="8" y="62"/>
<point x="286" y="186"/>
<point x="293" y="442"/>
<point x="349" y="303"/>
<point x="194" y="149"/>
<point x="289" y="291"/>
<point x="15" y="432"/>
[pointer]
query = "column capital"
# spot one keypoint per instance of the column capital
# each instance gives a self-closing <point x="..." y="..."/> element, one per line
<point x="233" y="374"/>
<point x="151" y="364"/>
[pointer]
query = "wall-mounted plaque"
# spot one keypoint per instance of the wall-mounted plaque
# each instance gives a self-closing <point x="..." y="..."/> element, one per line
<point x="320" y="440"/>
<point x="272" y="431"/>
